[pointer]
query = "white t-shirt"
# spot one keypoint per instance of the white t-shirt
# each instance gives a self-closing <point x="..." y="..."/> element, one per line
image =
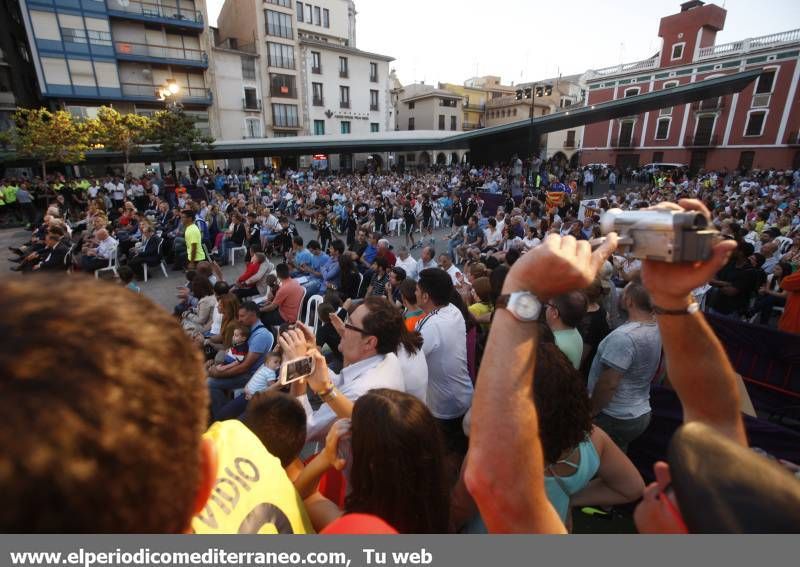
<point x="492" y="239"/>
<point x="415" y="373"/>
<point x="449" y="385"/>
<point x="409" y="265"/>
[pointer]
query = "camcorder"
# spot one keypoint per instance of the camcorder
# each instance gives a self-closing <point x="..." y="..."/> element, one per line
<point x="665" y="235"/>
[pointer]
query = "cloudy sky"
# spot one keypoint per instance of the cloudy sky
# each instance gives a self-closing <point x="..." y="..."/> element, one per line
<point x="452" y="40"/>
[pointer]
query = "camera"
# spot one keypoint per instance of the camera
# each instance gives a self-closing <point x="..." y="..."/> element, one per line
<point x="661" y="234"/>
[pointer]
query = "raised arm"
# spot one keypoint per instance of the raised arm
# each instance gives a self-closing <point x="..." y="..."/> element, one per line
<point x="697" y="365"/>
<point x="505" y="469"/>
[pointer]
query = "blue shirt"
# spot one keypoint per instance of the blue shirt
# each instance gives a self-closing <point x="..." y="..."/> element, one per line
<point x="370" y="253"/>
<point x="303" y="257"/>
<point x="260" y="342"/>
<point x="318" y="261"/>
<point x="330" y="274"/>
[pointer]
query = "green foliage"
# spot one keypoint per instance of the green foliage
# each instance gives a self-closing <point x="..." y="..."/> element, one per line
<point x="50" y="136"/>
<point x="123" y="133"/>
<point x="176" y="134"/>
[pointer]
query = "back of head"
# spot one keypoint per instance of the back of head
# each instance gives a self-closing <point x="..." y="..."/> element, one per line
<point x="104" y="404"/>
<point x="639" y="296"/>
<point x="437" y="284"/>
<point x="571" y="307"/>
<point x="398" y="469"/>
<point x="723" y="487"/>
<point x="279" y="421"/>
<point x="562" y="402"/>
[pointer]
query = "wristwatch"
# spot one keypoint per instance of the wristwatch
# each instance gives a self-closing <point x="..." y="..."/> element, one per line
<point x="523" y="305"/>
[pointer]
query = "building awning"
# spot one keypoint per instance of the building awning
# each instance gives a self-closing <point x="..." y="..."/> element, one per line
<point x="506" y="136"/>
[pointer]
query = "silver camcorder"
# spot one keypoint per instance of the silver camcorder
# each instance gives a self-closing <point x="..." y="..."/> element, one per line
<point x="661" y="234"/>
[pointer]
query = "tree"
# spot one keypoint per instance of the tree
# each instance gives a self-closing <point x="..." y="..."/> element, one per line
<point x="50" y="137"/>
<point x="176" y="135"/>
<point x="120" y="132"/>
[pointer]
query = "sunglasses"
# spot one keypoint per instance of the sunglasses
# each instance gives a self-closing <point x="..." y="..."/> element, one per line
<point x="356" y="329"/>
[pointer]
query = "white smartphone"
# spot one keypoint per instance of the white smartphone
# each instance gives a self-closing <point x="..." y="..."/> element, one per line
<point x="294" y="370"/>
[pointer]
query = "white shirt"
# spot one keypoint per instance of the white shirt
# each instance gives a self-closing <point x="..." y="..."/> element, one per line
<point x="409" y="265"/>
<point x="415" y="373"/>
<point x="449" y="385"/>
<point x="93" y="190"/>
<point x="379" y="371"/>
<point x="106" y="248"/>
<point x="424" y="266"/>
<point x="492" y="239"/>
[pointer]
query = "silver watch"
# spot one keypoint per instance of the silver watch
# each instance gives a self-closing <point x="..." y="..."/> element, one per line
<point x="523" y="305"/>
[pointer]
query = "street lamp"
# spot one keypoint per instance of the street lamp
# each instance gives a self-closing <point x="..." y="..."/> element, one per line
<point x="169" y="94"/>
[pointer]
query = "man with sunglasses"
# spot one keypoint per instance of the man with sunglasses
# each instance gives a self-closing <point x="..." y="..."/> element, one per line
<point x="711" y="483"/>
<point x="370" y="339"/>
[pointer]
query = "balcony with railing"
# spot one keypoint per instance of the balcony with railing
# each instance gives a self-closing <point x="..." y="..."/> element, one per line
<point x="251" y="104"/>
<point x="623" y="68"/>
<point x="146" y="53"/>
<point x="152" y="12"/>
<point x="318" y="101"/>
<point x="794" y="138"/>
<point x="148" y="92"/>
<point x="344" y="104"/>
<point x="570" y="144"/>
<point x="709" y="104"/>
<point x="373" y="107"/>
<point x="700" y="141"/>
<point x="748" y="45"/>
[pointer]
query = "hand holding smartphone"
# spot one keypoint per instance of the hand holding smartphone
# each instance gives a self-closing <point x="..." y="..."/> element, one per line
<point x="296" y="369"/>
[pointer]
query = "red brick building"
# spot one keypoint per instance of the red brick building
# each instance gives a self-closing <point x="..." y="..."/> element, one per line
<point x="756" y="128"/>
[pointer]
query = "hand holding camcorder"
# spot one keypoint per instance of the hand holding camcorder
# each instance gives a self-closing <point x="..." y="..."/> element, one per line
<point x="662" y="234"/>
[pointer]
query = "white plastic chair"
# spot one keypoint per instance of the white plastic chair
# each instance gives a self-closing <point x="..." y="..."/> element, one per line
<point x="232" y="253"/>
<point x="312" y="316"/>
<point x="112" y="264"/>
<point x="162" y="264"/>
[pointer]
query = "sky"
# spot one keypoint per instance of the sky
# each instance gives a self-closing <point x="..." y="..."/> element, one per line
<point x="524" y="40"/>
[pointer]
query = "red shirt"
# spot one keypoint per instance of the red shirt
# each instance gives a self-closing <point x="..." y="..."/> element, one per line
<point x="288" y="299"/>
<point x="249" y="272"/>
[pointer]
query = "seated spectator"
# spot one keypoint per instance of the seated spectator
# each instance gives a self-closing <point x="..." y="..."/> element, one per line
<point x="380" y="277"/>
<point x="285" y="306"/>
<point x="145" y="447"/>
<point x="563" y="314"/>
<point x="447" y="265"/>
<point x="98" y="257"/>
<point x="771" y="294"/>
<point x="481" y="307"/>
<point x="258" y="345"/>
<point x="145" y="252"/>
<point x="410" y="494"/>
<point x="370" y="339"/>
<point x="198" y="319"/>
<point x="253" y="281"/>
<point x="263" y="378"/>
<point x="237" y="351"/>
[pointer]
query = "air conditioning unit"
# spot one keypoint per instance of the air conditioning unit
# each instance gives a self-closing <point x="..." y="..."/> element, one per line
<point x="761" y="100"/>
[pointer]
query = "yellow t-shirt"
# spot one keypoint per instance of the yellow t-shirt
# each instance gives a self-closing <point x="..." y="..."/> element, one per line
<point x="192" y="235"/>
<point x="252" y="494"/>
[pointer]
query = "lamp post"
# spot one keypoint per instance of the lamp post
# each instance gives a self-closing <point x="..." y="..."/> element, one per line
<point x="169" y="94"/>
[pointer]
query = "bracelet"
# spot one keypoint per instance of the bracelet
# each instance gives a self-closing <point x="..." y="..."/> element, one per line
<point x="330" y="392"/>
<point x="690" y="309"/>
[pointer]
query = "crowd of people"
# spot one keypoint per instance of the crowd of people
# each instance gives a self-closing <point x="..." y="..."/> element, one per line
<point x="494" y="384"/>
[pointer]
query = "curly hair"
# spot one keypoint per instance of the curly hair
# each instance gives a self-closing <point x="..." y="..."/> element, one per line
<point x="562" y="402"/>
